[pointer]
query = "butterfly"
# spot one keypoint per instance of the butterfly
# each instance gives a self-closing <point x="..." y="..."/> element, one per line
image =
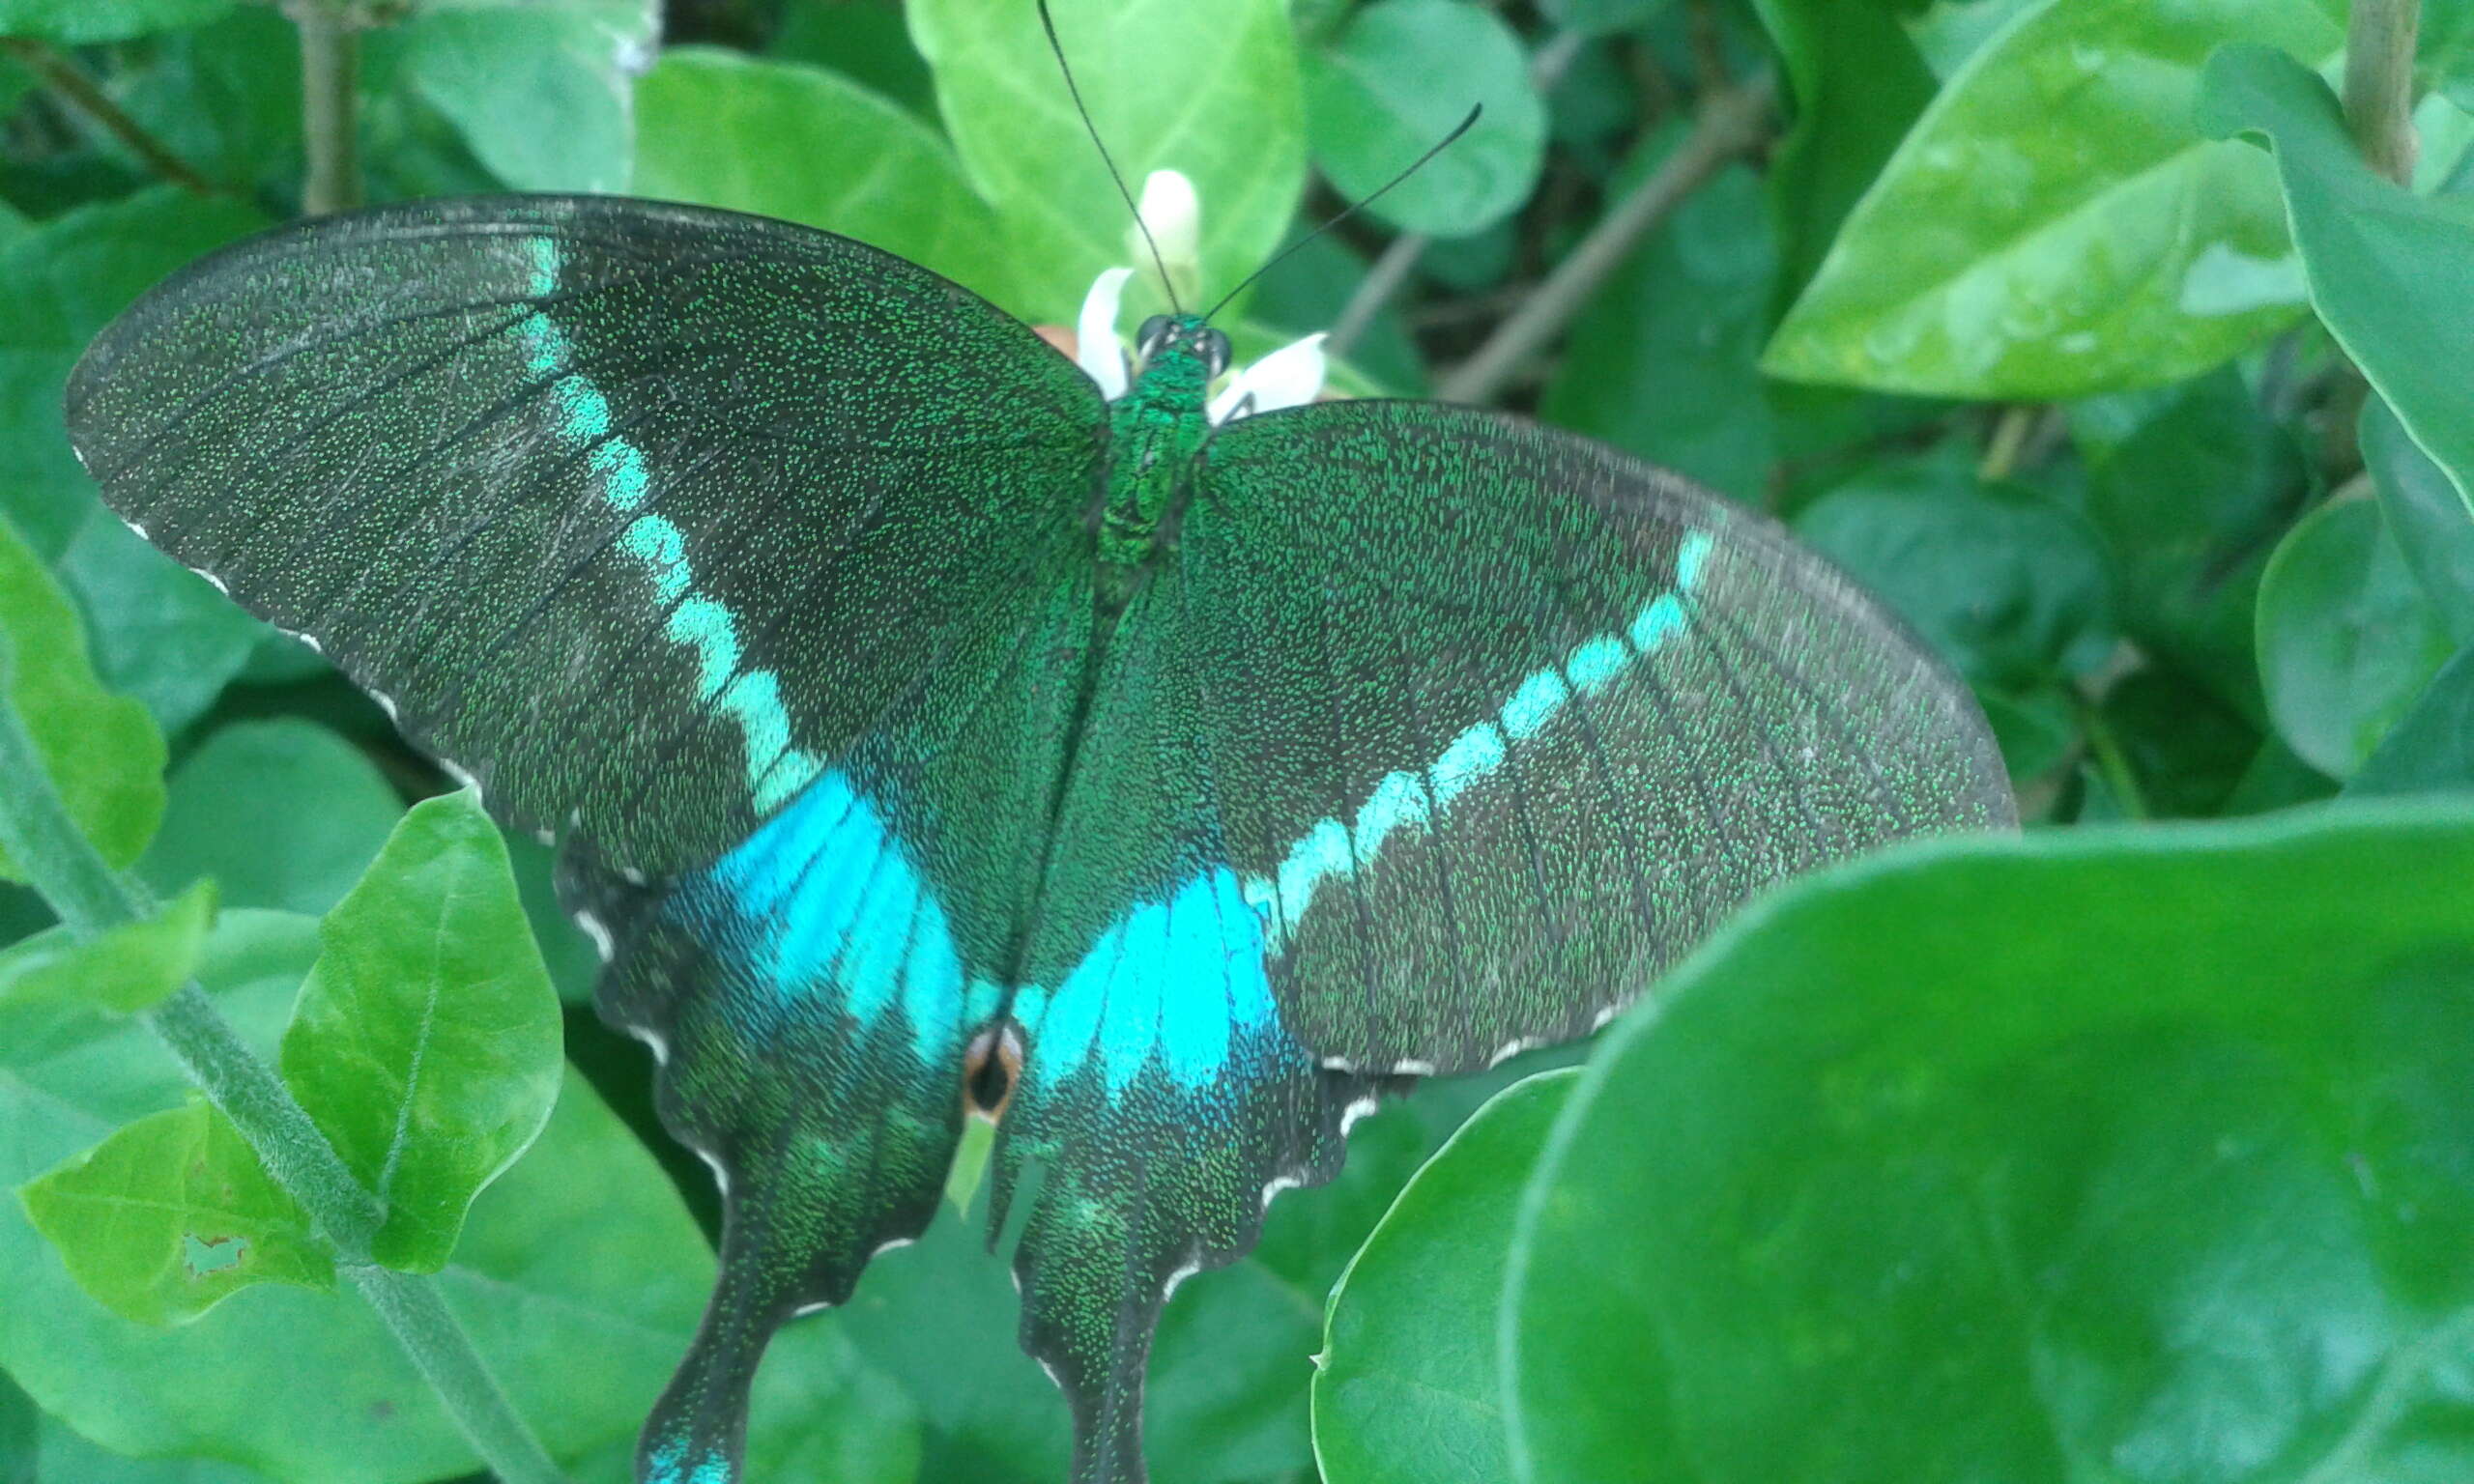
<point x="927" y="728"/>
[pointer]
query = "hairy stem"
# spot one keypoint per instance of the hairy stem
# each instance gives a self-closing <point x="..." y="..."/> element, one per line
<point x="47" y="846"/>
<point x="2379" y="83"/>
<point x="63" y="76"/>
<point x="1731" y="123"/>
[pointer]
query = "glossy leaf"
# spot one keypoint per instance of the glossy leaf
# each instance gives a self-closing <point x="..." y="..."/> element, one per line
<point x="426" y="1041"/>
<point x="1208" y="90"/>
<point x="2432" y="746"/>
<point x="2055" y="225"/>
<point x="84" y="22"/>
<point x="2140" y="1153"/>
<point x="1663" y="361"/>
<point x="173" y="1215"/>
<point x="579" y="1276"/>
<point x="2008" y="583"/>
<point x="102" y="751"/>
<point x="158" y="631"/>
<point x="1393" y="80"/>
<point x="806" y="145"/>
<point x="130" y="968"/>
<point x="2346" y="640"/>
<point x="2390" y="273"/>
<point x="539" y="91"/>
<point x="280" y="814"/>
<point x="2434" y="527"/>
<point x="1407" y="1390"/>
<point x="1855" y="84"/>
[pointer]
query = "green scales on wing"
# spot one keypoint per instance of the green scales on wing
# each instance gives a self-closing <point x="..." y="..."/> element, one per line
<point x="897" y="700"/>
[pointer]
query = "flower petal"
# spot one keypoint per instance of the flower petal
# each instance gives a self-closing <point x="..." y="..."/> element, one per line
<point x="1291" y="376"/>
<point x="1173" y="214"/>
<point x="1095" y="334"/>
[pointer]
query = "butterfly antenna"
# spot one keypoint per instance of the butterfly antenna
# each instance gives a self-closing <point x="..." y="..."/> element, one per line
<point x="1048" y="23"/>
<point x="1353" y="207"/>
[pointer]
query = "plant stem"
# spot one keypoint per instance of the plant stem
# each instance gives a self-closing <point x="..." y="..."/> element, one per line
<point x="2111" y="761"/>
<point x="65" y="77"/>
<point x="47" y="846"/>
<point x="1731" y="123"/>
<point x="2009" y="436"/>
<point x="330" y="88"/>
<point x="2379" y="83"/>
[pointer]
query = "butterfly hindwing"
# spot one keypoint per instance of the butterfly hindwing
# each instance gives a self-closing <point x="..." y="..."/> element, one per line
<point x="1506" y="721"/>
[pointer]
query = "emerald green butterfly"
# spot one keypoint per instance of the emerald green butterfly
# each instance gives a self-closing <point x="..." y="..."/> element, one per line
<point x="929" y="725"/>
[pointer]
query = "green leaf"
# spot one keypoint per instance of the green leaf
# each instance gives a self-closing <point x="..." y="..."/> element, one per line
<point x="84" y="22"/>
<point x="160" y="632"/>
<point x="2191" y="495"/>
<point x="2005" y="583"/>
<point x="2390" y="273"/>
<point x="1857" y="85"/>
<point x="280" y="814"/>
<point x="426" y="1044"/>
<point x="1600" y="17"/>
<point x="2434" y="528"/>
<point x="2038" y="730"/>
<point x="171" y="1216"/>
<point x="2054" y="225"/>
<point x="102" y="751"/>
<point x="21" y="1435"/>
<point x="67" y="1456"/>
<point x="134" y="967"/>
<point x="2099" y="1154"/>
<point x="1208" y="90"/>
<point x="1397" y="79"/>
<point x="2346" y="641"/>
<point x="579" y="1276"/>
<point x="1664" y="360"/>
<point x="2432" y="746"/>
<point x="224" y="98"/>
<point x="867" y="42"/>
<point x="805" y="145"/>
<point x="1407" y="1390"/>
<point x="539" y="91"/>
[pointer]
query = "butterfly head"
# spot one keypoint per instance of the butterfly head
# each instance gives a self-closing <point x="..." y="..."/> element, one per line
<point x="1167" y="338"/>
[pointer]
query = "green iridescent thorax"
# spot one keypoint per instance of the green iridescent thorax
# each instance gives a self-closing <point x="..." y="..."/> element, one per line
<point x="1155" y="430"/>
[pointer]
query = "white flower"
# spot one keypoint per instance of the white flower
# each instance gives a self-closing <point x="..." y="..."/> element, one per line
<point x="1175" y="214"/>
<point x="1288" y="377"/>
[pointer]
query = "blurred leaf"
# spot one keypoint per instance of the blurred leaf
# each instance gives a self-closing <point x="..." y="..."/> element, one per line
<point x="1309" y="289"/>
<point x="160" y="632"/>
<point x="2346" y="641"/>
<point x="2187" y="747"/>
<point x="2005" y="584"/>
<point x="1209" y="90"/>
<point x="866" y="41"/>
<point x="1949" y="32"/>
<point x="2390" y="273"/>
<point x="579" y="1276"/>
<point x="2139" y="1154"/>
<point x="1401" y="1396"/>
<point x="565" y="951"/>
<point x="1599" y="15"/>
<point x="2038" y="730"/>
<point x="171" y="1216"/>
<point x="802" y="144"/>
<point x="426" y="1041"/>
<point x="70" y="1459"/>
<point x="102" y="751"/>
<point x="20" y="1433"/>
<point x="2054" y="225"/>
<point x="84" y="22"/>
<point x="2277" y="779"/>
<point x="2191" y="493"/>
<point x="1857" y="85"/>
<point x="280" y="814"/>
<point x="130" y="968"/>
<point x="1663" y="361"/>
<point x="224" y="98"/>
<point x="2431" y="748"/>
<point x="2434" y="527"/>
<point x="1395" y="78"/>
<point x="540" y="90"/>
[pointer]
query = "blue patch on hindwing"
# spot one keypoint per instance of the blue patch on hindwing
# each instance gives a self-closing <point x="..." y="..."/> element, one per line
<point x="1402" y="800"/>
<point x="667" y="1466"/>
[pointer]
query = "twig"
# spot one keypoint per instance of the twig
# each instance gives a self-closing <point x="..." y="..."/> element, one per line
<point x="1399" y="260"/>
<point x="1731" y="123"/>
<point x="330" y="88"/>
<point x="2009" y="436"/>
<point x="65" y="77"/>
<point x="49" y="850"/>
<point x="2379" y="83"/>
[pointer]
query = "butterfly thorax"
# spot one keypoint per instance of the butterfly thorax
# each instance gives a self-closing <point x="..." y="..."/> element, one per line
<point x="1155" y="431"/>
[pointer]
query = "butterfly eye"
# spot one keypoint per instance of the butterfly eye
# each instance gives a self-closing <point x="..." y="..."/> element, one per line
<point x="1215" y="352"/>
<point x="1151" y="336"/>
